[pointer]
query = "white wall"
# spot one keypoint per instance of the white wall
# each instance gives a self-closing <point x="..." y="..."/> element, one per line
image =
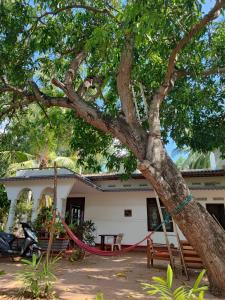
<point x="106" y="210"/>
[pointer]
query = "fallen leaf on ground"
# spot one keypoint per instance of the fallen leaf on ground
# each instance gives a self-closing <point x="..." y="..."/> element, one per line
<point x="121" y="275"/>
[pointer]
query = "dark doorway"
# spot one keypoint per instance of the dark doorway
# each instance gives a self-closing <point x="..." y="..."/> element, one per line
<point x="75" y="210"/>
<point x="218" y="212"/>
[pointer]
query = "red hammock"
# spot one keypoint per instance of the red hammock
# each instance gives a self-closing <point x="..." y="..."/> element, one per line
<point x="96" y="251"/>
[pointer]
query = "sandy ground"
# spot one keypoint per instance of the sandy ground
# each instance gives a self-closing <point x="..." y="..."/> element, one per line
<point x="116" y="278"/>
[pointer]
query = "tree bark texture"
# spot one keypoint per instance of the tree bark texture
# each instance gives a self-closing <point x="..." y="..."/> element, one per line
<point x="198" y="226"/>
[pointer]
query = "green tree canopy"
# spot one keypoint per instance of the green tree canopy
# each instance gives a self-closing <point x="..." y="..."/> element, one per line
<point x="40" y="38"/>
<point x="32" y="137"/>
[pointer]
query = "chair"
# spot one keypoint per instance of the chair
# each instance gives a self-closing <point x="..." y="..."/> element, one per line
<point x="117" y="242"/>
<point x="156" y="251"/>
<point x="114" y="243"/>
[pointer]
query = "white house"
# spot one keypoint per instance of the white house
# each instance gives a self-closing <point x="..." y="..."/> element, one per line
<point x="112" y="204"/>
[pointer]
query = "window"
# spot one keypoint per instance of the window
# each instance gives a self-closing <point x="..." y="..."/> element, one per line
<point x="154" y="217"/>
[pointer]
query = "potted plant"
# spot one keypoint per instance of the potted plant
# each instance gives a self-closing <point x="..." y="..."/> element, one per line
<point x="43" y="222"/>
<point x="85" y="232"/>
<point x="43" y="225"/>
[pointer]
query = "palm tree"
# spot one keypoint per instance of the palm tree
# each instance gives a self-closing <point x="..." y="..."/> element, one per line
<point x="198" y="160"/>
<point x="46" y="160"/>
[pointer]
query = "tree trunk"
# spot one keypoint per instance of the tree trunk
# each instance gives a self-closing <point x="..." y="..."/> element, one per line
<point x="198" y="226"/>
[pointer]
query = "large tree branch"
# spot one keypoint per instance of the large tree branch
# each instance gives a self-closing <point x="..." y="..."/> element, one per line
<point x="73" y="68"/>
<point x="204" y="73"/>
<point x="78" y="5"/>
<point x="24" y="98"/>
<point x="118" y="127"/>
<point x="124" y="82"/>
<point x="170" y="76"/>
<point x="213" y="14"/>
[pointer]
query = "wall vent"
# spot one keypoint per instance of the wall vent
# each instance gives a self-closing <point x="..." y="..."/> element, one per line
<point x="127" y="185"/>
<point x="218" y="198"/>
<point x="111" y="185"/>
<point x="143" y="184"/>
<point x="196" y="183"/>
<point x="212" y="183"/>
<point x="200" y="198"/>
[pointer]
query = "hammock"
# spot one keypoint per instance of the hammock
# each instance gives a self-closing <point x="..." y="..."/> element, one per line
<point x="96" y="251"/>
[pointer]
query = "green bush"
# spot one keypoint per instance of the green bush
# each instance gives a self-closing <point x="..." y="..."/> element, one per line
<point x="38" y="277"/>
<point x="77" y="254"/>
<point x="44" y="221"/>
<point x="4" y="207"/>
<point x="85" y="231"/>
<point x="163" y="288"/>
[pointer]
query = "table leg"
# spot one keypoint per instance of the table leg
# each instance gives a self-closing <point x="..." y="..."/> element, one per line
<point x="102" y="242"/>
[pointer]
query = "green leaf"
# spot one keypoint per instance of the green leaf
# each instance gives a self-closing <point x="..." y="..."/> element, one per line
<point x="159" y="280"/>
<point x="27" y="262"/>
<point x="201" y="296"/>
<point x="203" y="288"/>
<point x="181" y="293"/>
<point x="99" y="296"/>
<point x="2" y="272"/>
<point x="169" y="276"/>
<point x="199" y="279"/>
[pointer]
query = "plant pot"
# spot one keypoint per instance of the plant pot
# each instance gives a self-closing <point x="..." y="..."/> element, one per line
<point x="43" y="235"/>
<point x="58" y="244"/>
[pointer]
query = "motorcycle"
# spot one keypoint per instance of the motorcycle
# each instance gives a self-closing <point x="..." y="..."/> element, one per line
<point x="27" y="248"/>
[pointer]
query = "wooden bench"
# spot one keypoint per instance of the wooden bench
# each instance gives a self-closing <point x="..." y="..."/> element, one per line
<point x="160" y="252"/>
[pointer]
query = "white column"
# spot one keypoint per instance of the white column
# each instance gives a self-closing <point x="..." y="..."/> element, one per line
<point x="11" y="216"/>
<point x="35" y="206"/>
<point x="63" y="207"/>
<point x="59" y="205"/>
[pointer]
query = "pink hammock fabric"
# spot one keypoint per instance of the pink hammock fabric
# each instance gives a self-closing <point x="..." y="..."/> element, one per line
<point x="96" y="251"/>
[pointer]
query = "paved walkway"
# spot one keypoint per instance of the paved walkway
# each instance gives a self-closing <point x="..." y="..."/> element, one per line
<point x="117" y="278"/>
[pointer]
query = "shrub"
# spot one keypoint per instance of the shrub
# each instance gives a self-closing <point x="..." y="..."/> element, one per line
<point x="38" y="277"/>
<point x="44" y="221"/>
<point x="85" y="231"/>
<point x="77" y="254"/>
<point x="163" y="288"/>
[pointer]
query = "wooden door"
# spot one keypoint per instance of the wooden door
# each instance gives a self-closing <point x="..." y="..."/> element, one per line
<point x="75" y="210"/>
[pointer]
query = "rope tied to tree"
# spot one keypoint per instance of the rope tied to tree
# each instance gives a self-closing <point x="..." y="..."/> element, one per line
<point x="175" y="211"/>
